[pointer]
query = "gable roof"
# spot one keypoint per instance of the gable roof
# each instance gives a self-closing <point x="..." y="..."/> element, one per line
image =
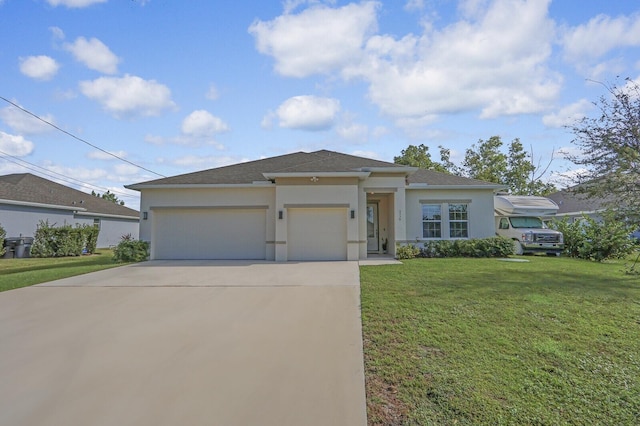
<point x="28" y="188"/>
<point x="570" y="201"/>
<point x="322" y="161"/>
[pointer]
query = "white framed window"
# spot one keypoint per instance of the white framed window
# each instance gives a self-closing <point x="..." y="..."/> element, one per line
<point x="445" y="219"/>
<point x="458" y="220"/>
<point x="431" y="221"/>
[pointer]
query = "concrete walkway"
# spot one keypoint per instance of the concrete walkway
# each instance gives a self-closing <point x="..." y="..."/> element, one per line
<point x="186" y="343"/>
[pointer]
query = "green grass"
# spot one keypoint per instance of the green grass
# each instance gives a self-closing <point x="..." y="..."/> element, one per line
<point x="479" y="341"/>
<point x="16" y="273"/>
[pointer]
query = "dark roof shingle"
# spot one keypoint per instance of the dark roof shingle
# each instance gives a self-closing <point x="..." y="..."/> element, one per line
<point x="29" y="188"/>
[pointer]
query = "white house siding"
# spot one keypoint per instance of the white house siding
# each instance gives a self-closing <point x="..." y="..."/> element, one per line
<point x="156" y="201"/>
<point x="480" y="210"/>
<point x="18" y="220"/>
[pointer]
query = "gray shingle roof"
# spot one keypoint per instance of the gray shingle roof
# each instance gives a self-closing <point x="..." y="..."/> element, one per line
<point x="570" y="202"/>
<point x="303" y="162"/>
<point x="29" y="188"/>
<point x="432" y="177"/>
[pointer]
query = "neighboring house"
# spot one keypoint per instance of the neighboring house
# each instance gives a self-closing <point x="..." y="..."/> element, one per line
<point x="576" y="205"/>
<point x="26" y="199"/>
<point x="321" y="205"/>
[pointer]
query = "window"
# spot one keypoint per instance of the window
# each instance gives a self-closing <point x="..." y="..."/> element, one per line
<point x="458" y="221"/>
<point x="431" y="221"/>
<point x="96" y="223"/>
<point x="504" y="223"/>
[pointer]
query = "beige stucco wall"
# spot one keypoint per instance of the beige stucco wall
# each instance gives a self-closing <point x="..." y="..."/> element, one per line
<point x="481" y="218"/>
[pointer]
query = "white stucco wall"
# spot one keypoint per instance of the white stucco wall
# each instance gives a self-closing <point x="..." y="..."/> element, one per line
<point x="480" y="214"/>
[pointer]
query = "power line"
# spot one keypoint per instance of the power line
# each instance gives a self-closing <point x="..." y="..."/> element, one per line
<point x="64" y="178"/>
<point x="78" y="138"/>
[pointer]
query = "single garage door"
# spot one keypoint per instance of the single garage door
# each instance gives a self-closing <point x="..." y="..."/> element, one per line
<point x="209" y="233"/>
<point x="317" y="233"/>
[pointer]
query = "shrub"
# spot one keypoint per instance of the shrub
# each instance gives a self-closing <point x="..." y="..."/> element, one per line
<point x="592" y="240"/>
<point x="130" y="250"/>
<point x="475" y="247"/>
<point x="52" y="241"/>
<point x="3" y="235"/>
<point x="408" y="251"/>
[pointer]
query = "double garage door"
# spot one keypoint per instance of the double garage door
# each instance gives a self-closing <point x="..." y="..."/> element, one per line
<point x="209" y="233"/>
<point x="240" y="233"/>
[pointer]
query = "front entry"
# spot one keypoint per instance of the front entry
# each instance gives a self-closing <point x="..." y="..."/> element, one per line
<point x="373" y="240"/>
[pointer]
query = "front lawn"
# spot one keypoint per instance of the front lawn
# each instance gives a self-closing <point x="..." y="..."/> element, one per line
<point x="482" y="341"/>
<point x="16" y="273"/>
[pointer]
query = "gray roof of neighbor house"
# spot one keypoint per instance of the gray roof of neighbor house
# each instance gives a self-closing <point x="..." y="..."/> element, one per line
<point x="28" y="188"/>
<point x="571" y="202"/>
<point x="322" y="161"/>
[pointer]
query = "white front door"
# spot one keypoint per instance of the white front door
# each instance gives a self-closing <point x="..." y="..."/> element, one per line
<point x="373" y="241"/>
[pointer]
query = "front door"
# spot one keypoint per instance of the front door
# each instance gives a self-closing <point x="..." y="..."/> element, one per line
<point x="373" y="242"/>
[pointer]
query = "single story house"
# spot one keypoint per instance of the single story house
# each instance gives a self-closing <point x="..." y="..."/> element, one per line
<point x="576" y="205"/>
<point x="320" y="205"/>
<point x="26" y="199"/>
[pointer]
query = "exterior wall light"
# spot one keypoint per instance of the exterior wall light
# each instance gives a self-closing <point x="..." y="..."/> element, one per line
<point x="280" y="214"/>
<point x="353" y="214"/>
<point x="145" y="215"/>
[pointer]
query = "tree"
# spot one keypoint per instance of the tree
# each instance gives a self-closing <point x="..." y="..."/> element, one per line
<point x="109" y="196"/>
<point x="515" y="170"/>
<point x="610" y="149"/>
<point x="419" y="156"/>
<point x="485" y="161"/>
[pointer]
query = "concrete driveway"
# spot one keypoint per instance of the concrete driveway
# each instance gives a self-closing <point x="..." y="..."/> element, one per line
<point x="186" y="343"/>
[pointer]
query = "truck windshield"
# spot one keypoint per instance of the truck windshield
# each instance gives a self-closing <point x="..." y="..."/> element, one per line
<point x="526" y="222"/>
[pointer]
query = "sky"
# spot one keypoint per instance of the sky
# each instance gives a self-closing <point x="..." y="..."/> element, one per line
<point x="139" y="89"/>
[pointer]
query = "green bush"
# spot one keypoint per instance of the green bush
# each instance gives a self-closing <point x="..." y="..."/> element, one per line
<point x="588" y="239"/>
<point x="3" y="235"/>
<point x="130" y="250"/>
<point x="475" y="247"/>
<point x="52" y="241"/>
<point x="408" y="251"/>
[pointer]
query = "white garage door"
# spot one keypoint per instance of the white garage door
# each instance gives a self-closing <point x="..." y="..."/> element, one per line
<point x="209" y="234"/>
<point x="317" y="234"/>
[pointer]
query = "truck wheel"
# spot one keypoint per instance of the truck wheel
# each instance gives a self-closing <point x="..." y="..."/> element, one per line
<point x="517" y="248"/>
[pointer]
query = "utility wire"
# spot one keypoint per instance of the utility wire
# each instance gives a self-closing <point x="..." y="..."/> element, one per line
<point x="68" y="179"/>
<point x="79" y="139"/>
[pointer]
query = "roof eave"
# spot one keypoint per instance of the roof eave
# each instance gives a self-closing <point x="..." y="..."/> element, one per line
<point x="41" y="205"/>
<point x="141" y="186"/>
<point x="453" y="186"/>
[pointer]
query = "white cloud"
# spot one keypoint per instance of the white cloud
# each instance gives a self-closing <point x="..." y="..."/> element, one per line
<point x="212" y="93"/>
<point x="568" y="115"/>
<point x="203" y="124"/>
<point x="94" y="54"/>
<point x="15" y="145"/>
<point x="317" y="40"/>
<point x="74" y="4"/>
<point x="57" y="33"/>
<point x="353" y="132"/>
<point x="39" y="67"/>
<point x="308" y="113"/>
<point x="129" y="96"/>
<point x="601" y="35"/>
<point x="487" y="61"/>
<point x="21" y="122"/>
<point x="412" y="5"/>
<point x="99" y="155"/>
<point x="490" y="63"/>
<point x="125" y="169"/>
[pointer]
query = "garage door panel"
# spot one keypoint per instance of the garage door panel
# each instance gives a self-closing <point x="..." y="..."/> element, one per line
<point x="209" y="234"/>
<point x="317" y="234"/>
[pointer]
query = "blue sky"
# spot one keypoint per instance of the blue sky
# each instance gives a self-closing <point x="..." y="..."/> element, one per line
<point x="177" y="87"/>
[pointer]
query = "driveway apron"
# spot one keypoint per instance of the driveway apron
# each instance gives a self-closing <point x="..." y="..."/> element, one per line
<point x="186" y="343"/>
